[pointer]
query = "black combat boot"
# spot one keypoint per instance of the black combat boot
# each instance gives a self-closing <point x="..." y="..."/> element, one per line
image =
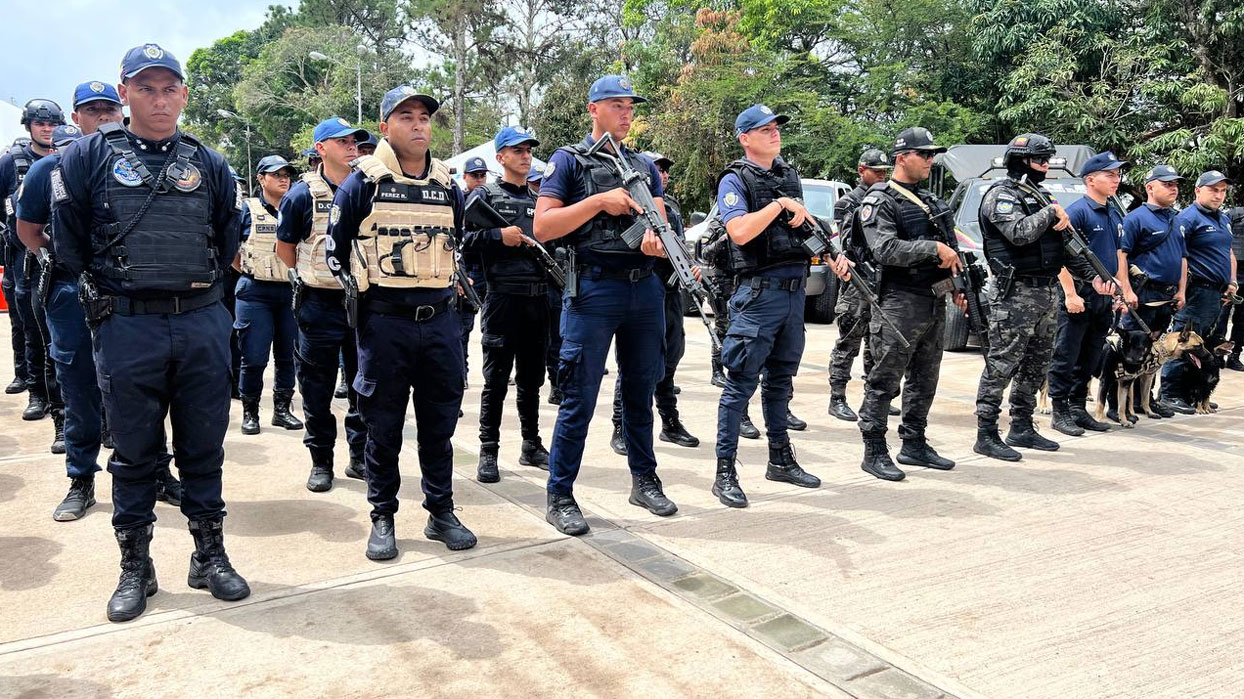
<point x="1024" y="434"/>
<point x="555" y="395"/>
<point x="746" y="429"/>
<point x="877" y="460"/>
<point x="726" y="484"/>
<point x="17" y="385"/>
<point x="1087" y="421"/>
<point x="534" y="454"/>
<point x="382" y="544"/>
<point x="618" y="441"/>
<point x="917" y="452"/>
<point x="646" y="492"/>
<point x="36" y="407"/>
<point x="894" y="410"/>
<point x="794" y="423"/>
<point x="81" y="495"/>
<point x="342" y="391"/>
<point x="281" y="416"/>
<point x="138" y="578"/>
<point x="58" y="424"/>
<point x="321" y="478"/>
<point x="1160" y="407"/>
<point x="838" y="407"/>
<point x="1172" y="403"/>
<point x="1064" y="419"/>
<point x="250" y="415"/>
<point x="168" y="488"/>
<point x="673" y="431"/>
<point x="989" y="443"/>
<point x="446" y="529"/>
<point x="209" y="564"/>
<point x="563" y="513"/>
<point x="1233" y="363"/>
<point x="357" y="468"/>
<point x="719" y="372"/>
<point x="486" y="471"/>
<point x="784" y="469"/>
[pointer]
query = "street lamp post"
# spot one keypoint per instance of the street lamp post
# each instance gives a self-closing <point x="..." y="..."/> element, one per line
<point x="225" y="113"/>
<point x="358" y="73"/>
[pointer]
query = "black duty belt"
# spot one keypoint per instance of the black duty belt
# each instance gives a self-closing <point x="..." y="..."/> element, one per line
<point x="419" y="314"/>
<point x="792" y="284"/>
<point x="324" y="295"/>
<point x="1163" y="289"/>
<point x="126" y="306"/>
<point x="1039" y="281"/>
<point x="624" y="275"/>
<point x="888" y="284"/>
<point x="1206" y="284"/>
<point x="518" y="288"/>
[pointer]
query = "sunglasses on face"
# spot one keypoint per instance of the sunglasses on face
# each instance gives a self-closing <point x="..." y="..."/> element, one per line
<point x="1039" y="160"/>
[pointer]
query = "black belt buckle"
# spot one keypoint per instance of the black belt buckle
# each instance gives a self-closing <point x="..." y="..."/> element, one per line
<point x="635" y="275"/>
<point x="176" y="305"/>
<point x="419" y="313"/>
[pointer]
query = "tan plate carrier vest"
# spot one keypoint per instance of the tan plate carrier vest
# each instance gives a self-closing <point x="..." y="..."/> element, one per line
<point x="312" y="261"/>
<point x="258" y="257"/>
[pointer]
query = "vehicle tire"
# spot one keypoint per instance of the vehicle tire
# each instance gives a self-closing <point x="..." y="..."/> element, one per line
<point x="820" y="308"/>
<point x="955" y="334"/>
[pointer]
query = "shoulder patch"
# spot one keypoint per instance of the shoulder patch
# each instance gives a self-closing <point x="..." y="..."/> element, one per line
<point x="867" y="211"/>
<point x="59" y="192"/>
<point x="334" y="214"/>
<point x="549" y="169"/>
<point x="731" y="199"/>
<point x="1004" y="206"/>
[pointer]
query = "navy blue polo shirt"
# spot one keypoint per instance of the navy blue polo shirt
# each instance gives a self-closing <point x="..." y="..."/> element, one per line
<point x="1163" y="263"/>
<point x="563" y="180"/>
<point x="1099" y="224"/>
<point x="1207" y="237"/>
<point x="297" y="211"/>
<point x="351" y="205"/>
<point x="732" y="203"/>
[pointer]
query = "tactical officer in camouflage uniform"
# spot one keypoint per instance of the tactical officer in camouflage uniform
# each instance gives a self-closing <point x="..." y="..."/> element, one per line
<point x="1024" y="246"/>
<point x="853" y="312"/>
<point x="905" y="231"/>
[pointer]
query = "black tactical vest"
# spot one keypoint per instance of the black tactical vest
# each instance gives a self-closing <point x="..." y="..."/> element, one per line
<point x="169" y="246"/>
<point x="603" y="233"/>
<point x="913" y="223"/>
<point x="1237" y="234"/>
<point x="502" y="262"/>
<point x="21" y="165"/>
<point x="778" y="244"/>
<point x="1043" y="257"/>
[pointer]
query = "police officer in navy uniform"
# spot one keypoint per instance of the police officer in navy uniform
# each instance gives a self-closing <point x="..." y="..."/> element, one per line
<point x="672" y="429"/>
<point x="759" y="198"/>
<point x="1085" y="317"/>
<point x="517" y="302"/>
<point x="583" y="200"/>
<point x="394" y="230"/>
<point x="475" y="175"/>
<point x="264" y="320"/>
<point x="1210" y="268"/>
<point x="1151" y="264"/>
<point x="39" y="117"/>
<point x="150" y="217"/>
<point x="367" y="146"/>
<point x="323" y="333"/>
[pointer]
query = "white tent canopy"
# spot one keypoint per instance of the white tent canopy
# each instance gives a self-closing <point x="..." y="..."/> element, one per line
<point x="488" y="152"/>
<point x="10" y="124"/>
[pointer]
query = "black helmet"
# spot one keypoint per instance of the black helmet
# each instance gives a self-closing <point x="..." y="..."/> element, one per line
<point x="1029" y="145"/>
<point x="42" y="110"/>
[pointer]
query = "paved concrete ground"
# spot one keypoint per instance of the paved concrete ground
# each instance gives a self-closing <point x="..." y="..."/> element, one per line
<point x="1108" y="569"/>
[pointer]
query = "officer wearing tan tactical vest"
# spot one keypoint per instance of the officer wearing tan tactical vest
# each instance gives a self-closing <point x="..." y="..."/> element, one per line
<point x="262" y="316"/>
<point x="394" y="228"/>
<point x="324" y="337"/>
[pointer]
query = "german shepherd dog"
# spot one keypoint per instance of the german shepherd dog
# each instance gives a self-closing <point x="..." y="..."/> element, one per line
<point x="1131" y="366"/>
<point x="1201" y="378"/>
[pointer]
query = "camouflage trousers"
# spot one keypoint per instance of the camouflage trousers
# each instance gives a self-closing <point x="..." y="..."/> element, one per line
<point x="916" y="369"/>
<point x="852" y="315"/>
<point x="1021" y="347"/>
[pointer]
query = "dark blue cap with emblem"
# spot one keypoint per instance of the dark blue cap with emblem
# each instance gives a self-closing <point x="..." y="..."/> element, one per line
<point x="400" y="94"/>
<point x="1162" y="173"/>
<point x="613" y="86"/>
<point x="336" y="127"/>
<point x="755" y="117"/>
<point x="474" y="165"/>
<point x="1100" y="162"/>
<point x="65" y="134"/>
<point x="915" y="138"/>
<point x="513" y="136"/>
<point x="1206" y="179"/>
<point x="94" y="91"/>
<point x="141" y="58"/>
<point x="272" y="163"/>
<point x="535" y="175"/>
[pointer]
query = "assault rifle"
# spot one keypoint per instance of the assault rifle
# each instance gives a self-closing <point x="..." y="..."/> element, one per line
<point x="480" y="214"/>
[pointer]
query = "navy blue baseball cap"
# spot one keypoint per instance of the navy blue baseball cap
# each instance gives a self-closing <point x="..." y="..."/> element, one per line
<point x="311" y="153"/>
<point x="476" y="164"/>
<point x="1100" y="162"/>
<point x="535" y="175"/>
<point x="657" y="158"/>
<point x="336" y="127"/>
<point x="141" y="58"/>
<point x="94" y="91"/>
<point x="512" y="136"/>
<point x="273" y="163"/>
<point x="65" y="134"/>
<point x="1162" y="173"/>
<point x="400" y="94"/>
<point x="613" y="86"/>
<point x="371" y="138"/>
<point x="755" y="117"/>
<point x="1206" y="179"/>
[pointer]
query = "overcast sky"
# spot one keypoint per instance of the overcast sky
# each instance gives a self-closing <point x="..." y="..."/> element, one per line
<point x="47" y="47"/>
